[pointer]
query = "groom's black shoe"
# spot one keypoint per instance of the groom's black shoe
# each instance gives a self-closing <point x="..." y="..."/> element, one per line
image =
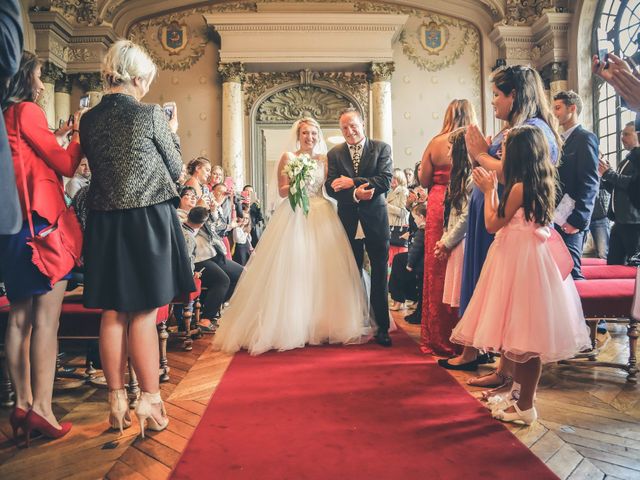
<point x="383" y="339"/>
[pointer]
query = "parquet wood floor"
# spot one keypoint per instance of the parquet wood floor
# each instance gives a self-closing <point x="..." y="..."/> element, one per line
<point x="589" y="424"/>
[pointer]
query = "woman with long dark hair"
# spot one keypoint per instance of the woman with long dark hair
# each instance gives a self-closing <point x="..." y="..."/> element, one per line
<point x="518" y="99"/>
<point x="31" y="338"/>
<point x="439" y="319"/>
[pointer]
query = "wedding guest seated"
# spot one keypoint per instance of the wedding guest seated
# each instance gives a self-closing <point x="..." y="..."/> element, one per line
<point x="183" y="177"/>
<point x="398" y="214"/>
<point x="199" y="170"/>
<point x="255" y="212"/>
<point x="242" y="238"/>
<point x="81" y="178"/>
<point x="220" y="275"/>
<point x="188" y="200"/>
<point x="415" y="264"/>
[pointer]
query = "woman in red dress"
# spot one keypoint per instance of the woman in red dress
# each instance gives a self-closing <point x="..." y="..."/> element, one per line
<point x="439" y="319"/>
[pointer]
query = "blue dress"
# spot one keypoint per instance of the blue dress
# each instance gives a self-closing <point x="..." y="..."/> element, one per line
<point x="478" y="239"/>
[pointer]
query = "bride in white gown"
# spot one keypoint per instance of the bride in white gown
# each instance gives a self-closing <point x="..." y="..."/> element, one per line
<point x="301" y="285"/>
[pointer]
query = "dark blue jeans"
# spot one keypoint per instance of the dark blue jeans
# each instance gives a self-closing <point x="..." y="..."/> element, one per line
<point x="600" y="233"/>
<point x="574" y="244"/>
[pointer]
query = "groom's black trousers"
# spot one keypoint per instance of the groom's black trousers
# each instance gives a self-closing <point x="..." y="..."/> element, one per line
<point x="378" y="252"/>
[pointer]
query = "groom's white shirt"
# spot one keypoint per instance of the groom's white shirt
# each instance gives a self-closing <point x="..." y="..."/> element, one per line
<point x="359" y="230"/>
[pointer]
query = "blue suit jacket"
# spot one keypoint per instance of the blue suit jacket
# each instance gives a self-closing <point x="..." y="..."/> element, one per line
<point x="578" y="172"/>
<point x="11" y="41"/>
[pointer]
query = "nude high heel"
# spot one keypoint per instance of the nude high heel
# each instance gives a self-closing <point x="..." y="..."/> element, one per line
<point x="119" y="417"/>
<point x="144" y="412"/>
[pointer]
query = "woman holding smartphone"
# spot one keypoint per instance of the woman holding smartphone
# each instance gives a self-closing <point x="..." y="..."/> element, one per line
<point x="135" y="254"/>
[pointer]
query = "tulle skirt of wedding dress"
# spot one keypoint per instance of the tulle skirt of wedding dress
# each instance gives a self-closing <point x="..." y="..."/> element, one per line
<point x="301" y="286"/>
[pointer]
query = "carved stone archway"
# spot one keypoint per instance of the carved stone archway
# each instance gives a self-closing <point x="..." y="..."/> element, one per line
<point x="306" y="94"/>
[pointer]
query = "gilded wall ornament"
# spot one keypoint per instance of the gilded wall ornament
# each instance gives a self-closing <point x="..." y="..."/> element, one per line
<point x="179" y="50"/>
<point x="232" y="72"/>
<point x="520" y="12"/>
<point x="83" y="12"/>
<point x="173" y="37"/>
<point x="433" y="37"/>
<point x="288" y="105"/>
<point x="258" y="84"/>
<point x="381" y="71"/>
<point x="50" y="72"/>
<point x="64" y="84"/>
<point x="90" y="82"/>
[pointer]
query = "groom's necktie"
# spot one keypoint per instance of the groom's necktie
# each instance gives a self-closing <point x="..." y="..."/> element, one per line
<point x="355" y="155"/>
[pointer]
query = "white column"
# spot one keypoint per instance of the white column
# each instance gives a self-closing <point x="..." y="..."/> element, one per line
<point x="232" y="121"/>
<point x="46" y="100"/>
<point x="49" y="74"/>
<point x="381" y="113"/>
<point x="62" y="98"/>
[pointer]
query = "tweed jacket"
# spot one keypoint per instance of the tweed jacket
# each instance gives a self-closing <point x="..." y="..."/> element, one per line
<point x="133" y="155"/>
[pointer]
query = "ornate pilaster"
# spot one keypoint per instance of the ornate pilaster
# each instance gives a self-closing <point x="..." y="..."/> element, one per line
<point x="382" y="123"/>
<point x="46" y="100"/>
<point x="91" y="83"/>
<point x="233" y="75"/>
<point x="62" y="97"/>
<point x="555" y="76"/>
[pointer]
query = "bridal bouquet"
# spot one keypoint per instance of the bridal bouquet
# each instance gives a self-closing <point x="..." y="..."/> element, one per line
<point x="299" y="170"/>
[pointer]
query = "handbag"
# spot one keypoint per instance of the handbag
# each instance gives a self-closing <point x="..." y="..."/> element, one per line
<point x="396" y="236"/>
<point x="57" y="248"/>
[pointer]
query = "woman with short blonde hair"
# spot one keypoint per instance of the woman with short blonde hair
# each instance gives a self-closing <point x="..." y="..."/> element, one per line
<point x="135" y="255"/>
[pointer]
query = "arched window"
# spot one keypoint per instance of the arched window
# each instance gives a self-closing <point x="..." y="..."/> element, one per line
<point x="618" y="32"/>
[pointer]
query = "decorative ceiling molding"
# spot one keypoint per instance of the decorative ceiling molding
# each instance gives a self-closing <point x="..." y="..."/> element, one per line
<point x="275" y="37"/>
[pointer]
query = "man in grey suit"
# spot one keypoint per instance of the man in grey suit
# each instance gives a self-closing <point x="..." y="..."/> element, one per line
<point x="359" y="176"/>
<point x="11" y="42"/>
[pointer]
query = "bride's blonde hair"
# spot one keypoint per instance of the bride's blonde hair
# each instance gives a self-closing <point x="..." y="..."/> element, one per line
<point x="309" y="121"/>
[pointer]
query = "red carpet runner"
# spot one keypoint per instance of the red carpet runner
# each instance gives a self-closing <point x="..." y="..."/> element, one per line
<point x="356" y="412"/>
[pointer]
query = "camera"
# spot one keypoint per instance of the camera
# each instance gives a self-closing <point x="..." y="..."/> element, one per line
<point x="84" y="101"/>
<point x="168" y="109"/>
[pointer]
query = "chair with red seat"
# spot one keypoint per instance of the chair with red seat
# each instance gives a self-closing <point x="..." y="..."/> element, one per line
<point x="608" y="272"/>
<point x="612" y="299"/>
<point x="185" y="329"/>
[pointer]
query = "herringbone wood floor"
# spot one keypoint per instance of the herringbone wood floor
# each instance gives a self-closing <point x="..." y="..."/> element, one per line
<point x="589" y="426"/>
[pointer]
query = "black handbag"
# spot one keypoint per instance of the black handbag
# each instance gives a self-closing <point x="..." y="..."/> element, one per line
<point x="396" y="238"/>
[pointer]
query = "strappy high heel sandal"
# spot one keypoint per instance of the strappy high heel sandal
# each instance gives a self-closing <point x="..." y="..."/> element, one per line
<point x="144" y="412"/>
<point x="119" y="417"/>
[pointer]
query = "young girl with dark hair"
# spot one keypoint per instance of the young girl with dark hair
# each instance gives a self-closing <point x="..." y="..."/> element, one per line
<point x="522" y="307"/>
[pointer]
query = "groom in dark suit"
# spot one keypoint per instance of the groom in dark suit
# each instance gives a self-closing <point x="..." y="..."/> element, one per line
<point x="578" y="172"/>
<point x="359" y="176"/>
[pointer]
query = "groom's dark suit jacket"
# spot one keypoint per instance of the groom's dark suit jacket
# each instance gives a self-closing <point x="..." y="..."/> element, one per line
<point x="375" y="168"/>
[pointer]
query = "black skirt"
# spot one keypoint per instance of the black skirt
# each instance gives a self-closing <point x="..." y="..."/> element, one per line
<point x="135" y="259"/>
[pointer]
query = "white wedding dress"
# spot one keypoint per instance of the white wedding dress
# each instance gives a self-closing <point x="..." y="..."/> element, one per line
<point x="301" y="285"/>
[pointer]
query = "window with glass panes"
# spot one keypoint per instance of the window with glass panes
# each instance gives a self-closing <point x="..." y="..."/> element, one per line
<point x="618" y="32"/>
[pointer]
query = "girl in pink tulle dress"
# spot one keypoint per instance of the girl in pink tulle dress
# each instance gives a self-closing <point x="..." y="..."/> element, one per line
<point x="522" y="306"/>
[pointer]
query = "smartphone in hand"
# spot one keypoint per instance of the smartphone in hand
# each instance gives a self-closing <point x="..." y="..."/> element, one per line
<point x="84" y="102"/>
<point x="168" y="109"/>
<point x="603" y="57"/>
